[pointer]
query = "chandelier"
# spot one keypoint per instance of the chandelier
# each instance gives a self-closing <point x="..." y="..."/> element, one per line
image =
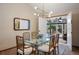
<point x="41" y="12"/>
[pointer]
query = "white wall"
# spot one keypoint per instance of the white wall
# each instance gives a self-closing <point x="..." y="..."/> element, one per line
<point x="7" y="13"/>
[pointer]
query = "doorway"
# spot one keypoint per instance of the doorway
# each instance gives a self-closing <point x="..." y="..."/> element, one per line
<point x="60" y="27"/>
<point x="60" y="24"/>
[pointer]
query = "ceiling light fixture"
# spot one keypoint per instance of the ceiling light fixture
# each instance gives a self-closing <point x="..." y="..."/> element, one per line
<point x="34" y="14"/>
<point x="51" y="12"/>
<point x="42" y="12"/>
<point x="35" y="7"/>
<point x="49" y="15"/>
<point x="38" y="15"/>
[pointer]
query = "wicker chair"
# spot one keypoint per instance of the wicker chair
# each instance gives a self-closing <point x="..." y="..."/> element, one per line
<point x="22" y="49"/>
<point x="47" y="48"/>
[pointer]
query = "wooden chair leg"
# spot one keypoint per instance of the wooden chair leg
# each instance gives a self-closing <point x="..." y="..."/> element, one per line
<point x="46" y="53"/>
<point x="33" y="51"/>
<point x="17" y="53"/>
<point x="58" y="49"/>
<point x="54" y="51"/>
<point x="49" y="53"/>
<point x="37" y="52"/>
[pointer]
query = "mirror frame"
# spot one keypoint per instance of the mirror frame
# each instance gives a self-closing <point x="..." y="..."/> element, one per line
<point x="28" y="28"/>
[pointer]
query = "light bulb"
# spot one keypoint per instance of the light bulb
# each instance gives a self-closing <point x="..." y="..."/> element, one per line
<point x="34" y="14"/>
<point x="35" y="7"/>
<point x="38" y="15"/>
<point x="51" y="12"/>
<point x="49" y="15"/>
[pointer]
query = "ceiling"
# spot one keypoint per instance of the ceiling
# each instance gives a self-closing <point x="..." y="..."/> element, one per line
<point x="57" y="8"/>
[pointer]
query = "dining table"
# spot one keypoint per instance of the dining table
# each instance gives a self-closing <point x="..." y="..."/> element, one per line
<point x="35" y="43"/>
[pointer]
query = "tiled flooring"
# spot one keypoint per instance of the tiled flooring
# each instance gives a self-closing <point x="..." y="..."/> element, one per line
<point x="13" y="52"/>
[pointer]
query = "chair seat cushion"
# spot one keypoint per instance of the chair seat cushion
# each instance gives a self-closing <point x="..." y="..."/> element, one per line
<point x="56" y="45"/>
<point x="45" y="48"/>
<point x="26" y="46"/>
<point x="26" y="51"/>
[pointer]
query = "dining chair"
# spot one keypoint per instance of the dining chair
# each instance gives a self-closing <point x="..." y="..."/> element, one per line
<point x="26" y="35"/>
<point x="47" y="48"/>
<point x="22" y="49"/>
<point x="56" y="43"/>
<point x="34" y="35"/>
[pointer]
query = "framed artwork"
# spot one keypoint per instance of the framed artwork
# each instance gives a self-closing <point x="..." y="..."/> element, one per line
<point x="21" y="24"/>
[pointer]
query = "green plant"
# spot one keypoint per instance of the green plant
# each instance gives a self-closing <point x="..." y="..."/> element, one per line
<point x="51" y="25"/>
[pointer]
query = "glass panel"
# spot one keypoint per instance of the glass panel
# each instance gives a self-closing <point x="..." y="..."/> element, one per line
<point x="60" y="28"/>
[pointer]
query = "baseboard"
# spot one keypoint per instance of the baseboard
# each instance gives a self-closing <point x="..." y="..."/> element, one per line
<point x="8" y="48"/>
<point x="75" y="46"/>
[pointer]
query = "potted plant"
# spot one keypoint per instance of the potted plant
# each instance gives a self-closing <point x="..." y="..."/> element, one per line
<point x="51" y="26"/>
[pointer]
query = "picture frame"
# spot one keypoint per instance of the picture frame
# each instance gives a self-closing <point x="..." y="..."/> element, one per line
<point x="21" y="24"/>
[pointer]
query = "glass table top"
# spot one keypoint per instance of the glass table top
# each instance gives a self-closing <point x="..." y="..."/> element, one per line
<point x="38" y="41"/>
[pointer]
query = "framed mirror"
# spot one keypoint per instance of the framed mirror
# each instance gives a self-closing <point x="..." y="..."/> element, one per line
<point x="21" y="24"/>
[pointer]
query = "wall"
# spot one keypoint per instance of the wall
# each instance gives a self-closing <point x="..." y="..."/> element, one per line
<point x="75" y="29"/>
<point x="7" y="33"/>
<point x="7" y="13"/>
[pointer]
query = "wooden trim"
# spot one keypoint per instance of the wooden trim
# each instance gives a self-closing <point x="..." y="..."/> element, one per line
<point x="75" y="46"/>
<point x="57" y="15"/>
<point x="8" y="49"/>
